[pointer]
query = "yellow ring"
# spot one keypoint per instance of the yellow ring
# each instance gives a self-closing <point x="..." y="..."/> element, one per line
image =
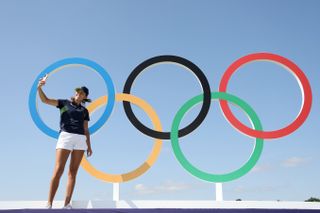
<point x="117" y="178"/>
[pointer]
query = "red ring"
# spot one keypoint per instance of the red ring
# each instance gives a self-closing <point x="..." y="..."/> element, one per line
<point x="296" y="71"/>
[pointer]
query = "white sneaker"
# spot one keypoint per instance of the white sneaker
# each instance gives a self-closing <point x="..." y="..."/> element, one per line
<point x="48" y="206"/>
<point x="67" y="206"/>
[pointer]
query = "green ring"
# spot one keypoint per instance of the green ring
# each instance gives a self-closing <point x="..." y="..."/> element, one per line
<point x="218" y="178"/>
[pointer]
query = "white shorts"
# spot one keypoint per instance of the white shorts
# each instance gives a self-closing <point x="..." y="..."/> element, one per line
<point x="71" y="141"/>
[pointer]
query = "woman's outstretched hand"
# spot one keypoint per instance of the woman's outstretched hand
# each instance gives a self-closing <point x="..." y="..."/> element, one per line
<point x="42" y="81"/>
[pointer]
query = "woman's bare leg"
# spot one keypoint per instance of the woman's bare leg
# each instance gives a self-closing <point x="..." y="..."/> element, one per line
<point x="76" y="157"/>
<point x="61" y="159"/>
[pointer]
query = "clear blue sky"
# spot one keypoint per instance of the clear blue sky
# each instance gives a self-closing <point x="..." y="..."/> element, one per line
<point x="121" y="34"/>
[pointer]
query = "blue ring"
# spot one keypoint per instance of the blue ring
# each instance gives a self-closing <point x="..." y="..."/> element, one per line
<point x="103" y="73"/>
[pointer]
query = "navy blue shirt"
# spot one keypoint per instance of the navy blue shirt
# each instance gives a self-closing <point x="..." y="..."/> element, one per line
<point x="72" y="117"/>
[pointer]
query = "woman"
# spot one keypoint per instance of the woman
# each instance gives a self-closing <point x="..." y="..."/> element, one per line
<point x="74" y="138"/>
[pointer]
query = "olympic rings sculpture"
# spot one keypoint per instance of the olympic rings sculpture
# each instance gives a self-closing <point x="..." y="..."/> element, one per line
<point x="205" y="98"/>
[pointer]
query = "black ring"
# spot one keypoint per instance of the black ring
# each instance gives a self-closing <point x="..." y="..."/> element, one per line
<point x="193" y="68"/>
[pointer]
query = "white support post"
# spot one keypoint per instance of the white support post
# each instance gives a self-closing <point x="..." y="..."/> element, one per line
<point x="116" y="191"/>
<point x="219" y="193"/>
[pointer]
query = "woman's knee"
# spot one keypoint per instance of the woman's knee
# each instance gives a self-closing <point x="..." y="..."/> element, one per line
<point x="72" y="172"/>
<point x="58" y="171"/>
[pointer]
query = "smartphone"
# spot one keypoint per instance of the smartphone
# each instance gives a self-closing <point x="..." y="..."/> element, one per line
<point x="45" y="78"/>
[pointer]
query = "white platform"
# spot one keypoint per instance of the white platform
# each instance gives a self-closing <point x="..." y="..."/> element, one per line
<point x="165" y="204"/>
